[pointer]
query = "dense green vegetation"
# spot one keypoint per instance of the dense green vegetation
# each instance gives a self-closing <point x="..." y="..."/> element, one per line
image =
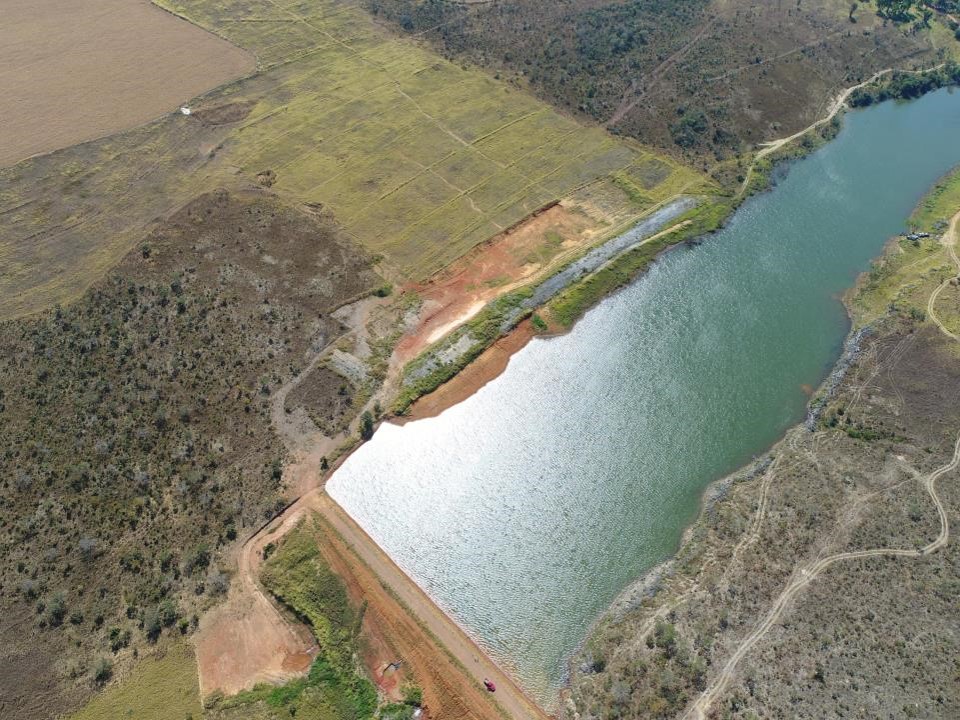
<point x="934" y="211"/>
<point x="906" y="86"/>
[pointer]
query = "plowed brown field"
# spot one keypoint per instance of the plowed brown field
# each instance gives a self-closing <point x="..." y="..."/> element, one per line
<point x="71" y="72"/>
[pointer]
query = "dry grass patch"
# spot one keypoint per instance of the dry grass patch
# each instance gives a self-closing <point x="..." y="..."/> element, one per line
<point x="418" y="158"/>
<point x="159" y="688"/>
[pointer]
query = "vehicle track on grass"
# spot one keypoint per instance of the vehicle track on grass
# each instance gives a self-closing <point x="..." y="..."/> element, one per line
<point x="949" y="239"/>
<point x="803" y="576"/>
<point x="635" y="93"/>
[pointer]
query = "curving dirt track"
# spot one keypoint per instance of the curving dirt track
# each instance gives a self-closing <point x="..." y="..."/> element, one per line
<point x="803" y="576"/>
<point x="835" y="107"/>
<point x="248" y="640"/>
<point x="949" y="239"/>
<point x="838" y="103"/>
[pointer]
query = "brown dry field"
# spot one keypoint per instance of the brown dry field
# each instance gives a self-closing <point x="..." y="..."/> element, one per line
<point x="72" y="72"/>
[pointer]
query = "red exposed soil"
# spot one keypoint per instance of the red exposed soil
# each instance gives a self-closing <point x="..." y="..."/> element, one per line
<point x="514" y="257"/>
<point x="474" y="376"/>
<point x="248" y="640"/>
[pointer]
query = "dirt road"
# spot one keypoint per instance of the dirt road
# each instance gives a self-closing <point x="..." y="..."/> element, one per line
<point x="835" y="107"/>
<point x="803" y="576"/>
<point x="248" y="640"/>
<point x="949" y="239"/>
<point x="768" y="148"/>
<point x="456" y="642"/>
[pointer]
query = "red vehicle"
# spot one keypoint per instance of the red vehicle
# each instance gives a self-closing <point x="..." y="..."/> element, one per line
<point x="488" y="684"/>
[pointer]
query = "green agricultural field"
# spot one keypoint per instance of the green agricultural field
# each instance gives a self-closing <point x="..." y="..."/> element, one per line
<point x="417" y="158"/>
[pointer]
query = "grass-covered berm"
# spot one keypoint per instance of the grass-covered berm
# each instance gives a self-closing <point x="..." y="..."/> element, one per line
<point x="137" y="442"/>
<point x="336" y="687"/>
<point x="821" y="582"/>
<point x="418" y="158"/>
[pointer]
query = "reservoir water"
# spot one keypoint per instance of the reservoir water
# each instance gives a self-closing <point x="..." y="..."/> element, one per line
<point x="526" y="509"/>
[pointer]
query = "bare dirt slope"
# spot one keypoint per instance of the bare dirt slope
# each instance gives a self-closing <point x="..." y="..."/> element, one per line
<point x="248" y="640"/>
<point x="465" y="652"/>
<point x="75" y="71"/>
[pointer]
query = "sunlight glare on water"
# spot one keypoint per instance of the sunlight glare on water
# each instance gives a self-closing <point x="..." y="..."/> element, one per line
<point x="526" y="509"/>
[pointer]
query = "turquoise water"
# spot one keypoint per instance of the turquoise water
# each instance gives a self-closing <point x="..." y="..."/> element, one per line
<point x="527" y="508"/>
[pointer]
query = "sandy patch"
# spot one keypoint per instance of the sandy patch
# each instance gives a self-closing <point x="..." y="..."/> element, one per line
<point x="247" y="640"/>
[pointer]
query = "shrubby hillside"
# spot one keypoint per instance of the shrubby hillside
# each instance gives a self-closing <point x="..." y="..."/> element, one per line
<point x="137" y="438"/>
<point x="700" y="77"/>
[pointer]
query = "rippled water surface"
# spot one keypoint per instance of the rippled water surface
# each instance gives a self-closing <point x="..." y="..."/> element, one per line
<point x="527" y="508"/>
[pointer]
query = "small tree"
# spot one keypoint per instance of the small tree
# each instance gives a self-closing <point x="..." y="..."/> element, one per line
<point x="56" y="609"/>
<point x="413" y="695"/>
<point x="151" y="624"/>
<point x="167" y="612"/>
<point x="366" y="425"/>
<point x="102" y="670"/>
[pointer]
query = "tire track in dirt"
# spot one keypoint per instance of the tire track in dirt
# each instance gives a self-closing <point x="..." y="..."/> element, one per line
<point x="804" y="576"/>
<point x="949" y="239"/>
<point x="631" y="98"/>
